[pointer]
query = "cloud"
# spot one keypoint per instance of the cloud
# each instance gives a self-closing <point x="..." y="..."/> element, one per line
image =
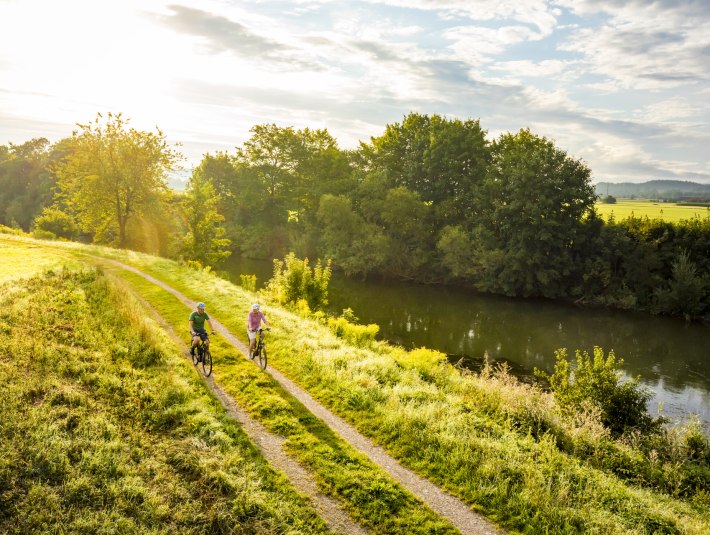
<point x="537" y="13"/>
<point x="221" y="34"/>
<point x="643" y="45"/>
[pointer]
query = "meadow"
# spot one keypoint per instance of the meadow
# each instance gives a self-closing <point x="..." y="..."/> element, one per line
<point x="504" y="447"/>
<point x="667" y="211"/>
<point x="106" y="429"/>
<point x="147" y="435"/>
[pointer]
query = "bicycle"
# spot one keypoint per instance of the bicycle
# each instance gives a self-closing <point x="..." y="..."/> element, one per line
<point x="203" y="355"/>
<point x="259" y="352"/>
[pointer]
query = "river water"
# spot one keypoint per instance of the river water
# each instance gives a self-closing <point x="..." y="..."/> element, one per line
<point x="671" y="357"/>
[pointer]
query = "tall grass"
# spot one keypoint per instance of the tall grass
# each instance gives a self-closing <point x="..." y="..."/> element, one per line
<point x="504" y="447"/>
<point x="105" y="429"/>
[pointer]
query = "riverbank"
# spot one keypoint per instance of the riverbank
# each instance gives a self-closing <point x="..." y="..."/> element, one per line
<point x="501" y="446"/>
<point x="668" y="355"/>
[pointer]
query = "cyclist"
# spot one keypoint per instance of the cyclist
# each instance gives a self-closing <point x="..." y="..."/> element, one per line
<point x="197" y="326"/>
<point x="254" y="319"/>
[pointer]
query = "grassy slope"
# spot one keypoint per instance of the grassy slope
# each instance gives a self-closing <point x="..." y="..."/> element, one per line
<point x="654" y="210"/>
<point x="489" y="440"/>
<point x="106" y="429"/>
<point x="342" y="472"/>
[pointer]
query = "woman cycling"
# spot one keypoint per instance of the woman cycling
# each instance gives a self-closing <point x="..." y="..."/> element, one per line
<point x="254" y="319"/>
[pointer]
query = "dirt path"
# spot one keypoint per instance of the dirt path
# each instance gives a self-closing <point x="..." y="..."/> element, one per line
<point x="270" y="446"/>
<point x="444" y="504"/>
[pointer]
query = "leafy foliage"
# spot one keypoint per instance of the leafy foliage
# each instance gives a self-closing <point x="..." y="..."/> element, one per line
<point x="595" y="384"/>
<point x="687" y="291"/>
<point x="112" y="174"/>
<point x="25" y="181"/>
<point x="535" y="196"/>
<point x="204" y="241"/>
<point x="430" y="200"/>
<point x="55" y="223"/>
<point x="295" y="280"/>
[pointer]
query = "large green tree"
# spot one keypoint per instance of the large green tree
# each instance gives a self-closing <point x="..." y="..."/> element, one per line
<point x="271" y="187"/>
<point x="205" y="241"/>
<point x="25" y="183"/>
<point x="113" y="174"/>
<point x="535" y="197"/>
<point x="443" y="160"/>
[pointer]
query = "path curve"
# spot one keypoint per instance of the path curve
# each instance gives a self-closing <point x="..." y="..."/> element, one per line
<point x="270" y="446"/>
<point x="449" y="507"/>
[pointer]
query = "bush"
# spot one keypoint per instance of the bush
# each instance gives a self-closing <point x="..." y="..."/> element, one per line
<point x="596" y="384"/>
<point x="52" y="223"/>
<point x="248" y="282"/>
<point x="359" y="335"/>
<point x="687" y="291"/>
<point x="294" y="280"/>
<point x="43" y="234"/>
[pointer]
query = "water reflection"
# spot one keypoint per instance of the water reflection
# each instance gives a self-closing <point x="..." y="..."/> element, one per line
<point x="670" y="356"/>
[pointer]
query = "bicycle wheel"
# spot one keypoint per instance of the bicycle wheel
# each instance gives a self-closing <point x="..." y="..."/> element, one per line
<point x="207" y="363"/>
<point x="195" y="355"/>
<point x="261" y="358"/>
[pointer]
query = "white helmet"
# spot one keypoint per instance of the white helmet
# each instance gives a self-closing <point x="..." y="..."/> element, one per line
<point x="255" y="306"/>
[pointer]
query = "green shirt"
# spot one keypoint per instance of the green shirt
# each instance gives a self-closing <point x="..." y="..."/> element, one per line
<point x="198" y="320"/>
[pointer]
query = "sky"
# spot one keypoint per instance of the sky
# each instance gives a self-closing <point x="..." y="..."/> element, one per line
<point x="621" y="84"/>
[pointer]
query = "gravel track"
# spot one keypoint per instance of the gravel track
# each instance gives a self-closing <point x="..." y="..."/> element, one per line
<point x="443" y="503"/>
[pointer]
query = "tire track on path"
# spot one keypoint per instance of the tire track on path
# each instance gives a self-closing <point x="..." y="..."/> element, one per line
<point x="449" y="507"/>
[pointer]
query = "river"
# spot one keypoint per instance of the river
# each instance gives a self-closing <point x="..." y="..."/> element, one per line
<point x="671" y="357"/>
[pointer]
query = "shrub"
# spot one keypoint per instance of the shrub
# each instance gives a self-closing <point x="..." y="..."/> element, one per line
<point x="687" y="291"/>
<point x="43" y="234"/>
<point x="52" y="223"/>
<point x="294" y="279"/>
<point x="359" y="335"/>
<point x="421" y="358"/>
<point x="596" y="383"/>
<point x="248" y="282"/>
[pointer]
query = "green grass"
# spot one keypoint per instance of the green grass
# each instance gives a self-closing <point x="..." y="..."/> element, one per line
<point x="22" y="259"/>
<point x="342" y="472"/>
<point x="502" y="446"/>
<point x="670" y="212"/>
<point x="106" y="429"/>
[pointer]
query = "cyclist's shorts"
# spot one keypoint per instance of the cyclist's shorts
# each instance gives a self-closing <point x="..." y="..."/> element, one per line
<point x="201" y="333"/>
<point x="251" y="334"/>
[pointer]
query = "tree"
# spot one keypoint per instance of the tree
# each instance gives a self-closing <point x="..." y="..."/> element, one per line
<point x="112" y="174"/>
<point x="686" y="292"/>
<point x="25" y="184"/>
<point x="356" y="246"/>
<point x="442" y="160"/>
<point x="271" y="156"/>
<point x="533" y="201"/>
<point x="405" y="220"/>
<point x="205" y="241"/>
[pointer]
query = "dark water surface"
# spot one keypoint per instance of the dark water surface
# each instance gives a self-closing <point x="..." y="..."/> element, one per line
<point x="671" y="357"/>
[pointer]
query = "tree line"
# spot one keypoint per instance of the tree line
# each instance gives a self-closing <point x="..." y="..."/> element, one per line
<point x="432" y="200"/>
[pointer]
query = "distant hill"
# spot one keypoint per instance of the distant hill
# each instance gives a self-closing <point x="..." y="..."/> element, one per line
<point x="678" y="190"/>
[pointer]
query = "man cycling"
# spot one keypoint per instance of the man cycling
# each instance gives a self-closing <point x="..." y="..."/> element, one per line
<point x="197" y="326"/>
<point x="254" y="319"/>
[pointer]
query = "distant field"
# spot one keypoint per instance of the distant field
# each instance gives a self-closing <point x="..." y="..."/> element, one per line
<point x="654" y="210"/>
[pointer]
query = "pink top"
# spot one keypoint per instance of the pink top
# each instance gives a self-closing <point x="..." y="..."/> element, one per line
<point x="254" y="320"/>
